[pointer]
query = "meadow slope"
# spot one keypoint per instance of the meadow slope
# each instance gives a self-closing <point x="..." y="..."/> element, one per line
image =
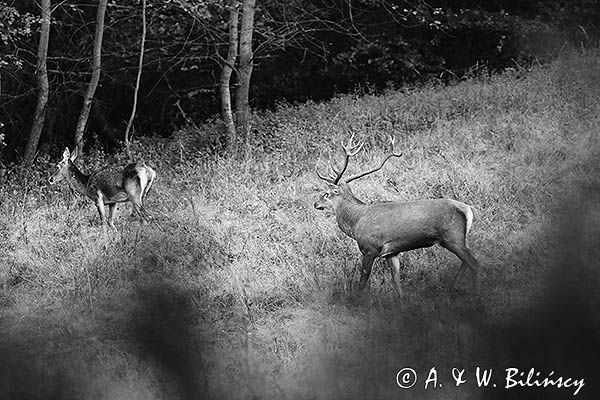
<point x="242" y="290"/>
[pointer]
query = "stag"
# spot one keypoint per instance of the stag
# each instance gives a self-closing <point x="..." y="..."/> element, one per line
<point x="386" y="229"/>
<point x="108" y="186"/>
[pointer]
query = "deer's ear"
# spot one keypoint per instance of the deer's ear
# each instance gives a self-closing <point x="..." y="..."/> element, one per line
<point x="74" y="154"/>
<point x="66" y="154"/>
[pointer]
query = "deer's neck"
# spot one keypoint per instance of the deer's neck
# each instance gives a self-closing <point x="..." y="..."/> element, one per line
<point x="348" y="212"/>
<point x="78" y="180"/>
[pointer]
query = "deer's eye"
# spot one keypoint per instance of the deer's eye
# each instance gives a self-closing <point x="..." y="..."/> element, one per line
<point x="326" y="195"/>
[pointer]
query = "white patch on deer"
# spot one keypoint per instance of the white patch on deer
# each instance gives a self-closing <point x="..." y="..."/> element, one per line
<point x="143" y="175"/>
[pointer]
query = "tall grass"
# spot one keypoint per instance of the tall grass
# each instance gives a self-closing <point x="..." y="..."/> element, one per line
<point x="240" y="288"/>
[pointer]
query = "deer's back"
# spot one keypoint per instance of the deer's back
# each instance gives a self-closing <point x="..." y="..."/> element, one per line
<point x="109" y="182"/>
<point x="410" y="225"/>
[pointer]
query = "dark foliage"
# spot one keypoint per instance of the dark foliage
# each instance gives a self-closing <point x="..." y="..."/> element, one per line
<point x="310" y="49"/>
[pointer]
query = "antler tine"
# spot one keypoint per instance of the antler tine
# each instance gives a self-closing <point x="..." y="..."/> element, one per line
<point x="333" y="170"/>
<point x="329" y="179"/>
<point x="350" y="149"/>
<point x="335" y="174"/>
<point x="393" y="142"/>
<point x="392" y="154"/>
<point x="324" y="178"/>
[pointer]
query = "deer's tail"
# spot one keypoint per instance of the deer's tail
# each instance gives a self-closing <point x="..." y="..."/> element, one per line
<point x="467" y="211"/>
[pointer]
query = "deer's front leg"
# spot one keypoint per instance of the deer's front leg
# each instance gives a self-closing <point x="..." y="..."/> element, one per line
<point x="367" y="265"/>
<point x="100" y="207"/>
<point x="111" y="214"/>
<point x="395" y="266"/>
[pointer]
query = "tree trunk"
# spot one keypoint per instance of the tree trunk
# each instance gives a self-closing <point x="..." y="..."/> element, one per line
<point x="137" y="82"/>
<point x="245" y="68"/>
<point x="42" y="72"/>
<point x="96" y="65"/>
<point x="226" y="111"/>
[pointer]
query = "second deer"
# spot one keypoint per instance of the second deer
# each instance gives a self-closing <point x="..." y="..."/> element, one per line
<point x="386" y="229"/>
<point x="108" y="186"/>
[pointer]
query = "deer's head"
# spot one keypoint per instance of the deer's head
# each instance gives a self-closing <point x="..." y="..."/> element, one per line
<point x="329" y="200"/>
<point x="338" y="189"/>
<point x="64" y="165"/>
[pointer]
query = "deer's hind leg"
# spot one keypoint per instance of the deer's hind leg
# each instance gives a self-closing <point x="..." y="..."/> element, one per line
<point x="151" y="175"/>
<point x="460" y="249"/>
<point x="133" y="189"/>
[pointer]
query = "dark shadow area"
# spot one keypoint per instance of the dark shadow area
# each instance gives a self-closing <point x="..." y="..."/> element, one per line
<point x="152" y="325"/>
<point x="166" y="321"/>
<point x="40" y="365"/>
<point x="163" y="328"/>
<point x="561" y="333"/>
<point x="27" y="373"/>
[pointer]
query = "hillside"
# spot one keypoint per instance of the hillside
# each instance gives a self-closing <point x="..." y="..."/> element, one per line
<point x="241" y="289"/>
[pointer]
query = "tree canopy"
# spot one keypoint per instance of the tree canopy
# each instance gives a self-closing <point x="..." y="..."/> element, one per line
<point x="302" y="49"/>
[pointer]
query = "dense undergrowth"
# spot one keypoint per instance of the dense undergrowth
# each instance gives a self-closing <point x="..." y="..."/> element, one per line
<point x="240" y="288"/>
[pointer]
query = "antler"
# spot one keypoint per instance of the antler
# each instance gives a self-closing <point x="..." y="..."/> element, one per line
<point x="392" y="154"/>
<point x="335" y="174"/>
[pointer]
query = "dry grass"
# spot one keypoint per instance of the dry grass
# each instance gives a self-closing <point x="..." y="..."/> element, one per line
<point x="242" y="289"/>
